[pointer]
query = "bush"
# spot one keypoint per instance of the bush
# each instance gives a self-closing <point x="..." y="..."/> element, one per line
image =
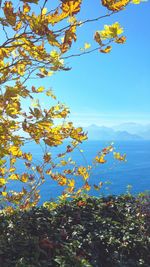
<point x="99" y="232"/>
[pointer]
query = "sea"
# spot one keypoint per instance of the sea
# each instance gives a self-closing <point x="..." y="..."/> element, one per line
<point x="118" y="177"/>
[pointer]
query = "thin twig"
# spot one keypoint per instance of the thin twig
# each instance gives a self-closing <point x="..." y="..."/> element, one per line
<point x="81" y="54"/>
<point x="86" y="21"/>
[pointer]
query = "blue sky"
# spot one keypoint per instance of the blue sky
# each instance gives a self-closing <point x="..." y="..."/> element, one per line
<point x="112" y="88"/>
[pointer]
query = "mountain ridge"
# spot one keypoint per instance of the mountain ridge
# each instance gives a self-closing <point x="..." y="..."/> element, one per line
<point x="125" y="131"/>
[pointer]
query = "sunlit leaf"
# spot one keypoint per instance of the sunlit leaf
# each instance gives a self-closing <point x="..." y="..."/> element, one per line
<point x="120" y="157"/>
<point x="121" y="40"/>
<point x="111" y="31"/>
<point x="115" y="5"/>
<point x="87" y="46"/>
<point x="9" y="13"/>
<point x="106" y="50"/>
<point x="15" y="151"/>
<point x="2" y="182"/>
<point x="24" y="177"/>
<point x="40" y="89"/>
<point x="98" y="187"/>
<point x="136" y="2"/>
<point x="71" y="7"/>
<point x="26" y="8"/>
<point x="87" y="187"/>
<point x="14" y="176"/>
<point x="100" y="159"/>
<point x="27" y="156"/>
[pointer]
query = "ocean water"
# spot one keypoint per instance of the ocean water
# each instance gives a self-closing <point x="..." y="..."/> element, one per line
<point x="116" y="176"/>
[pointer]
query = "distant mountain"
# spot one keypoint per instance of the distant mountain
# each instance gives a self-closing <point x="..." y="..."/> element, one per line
<point x="130" y="127"/>
<point x="145" y="135"/>
<point x="135" y="128"/>
<point x="124" y="135"/>
<point x="105" y="133"/>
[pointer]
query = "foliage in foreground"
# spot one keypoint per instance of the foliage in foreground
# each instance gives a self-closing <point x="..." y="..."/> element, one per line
<point x="37" y="40"/>
<point x="100" y="232"/>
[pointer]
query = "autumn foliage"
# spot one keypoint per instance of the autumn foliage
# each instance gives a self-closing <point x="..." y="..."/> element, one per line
<point x="36" y="40"/>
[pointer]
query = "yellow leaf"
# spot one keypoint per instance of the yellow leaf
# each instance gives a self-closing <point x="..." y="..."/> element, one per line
<point x="50" y="205"/>
<point x="12" y="169"/>
<point x="2" y="171"/>
<point x="111" y="31"/>
<point x="64" y="197"/>
<point x="35" y="103"/>
<point x="4" y="194"/>
<point x="14" y="176"/>
<point x="100" y="159"/>
<point x="18" y="26"/>
<point x="40" y="89"/>
<point x="87" y="187"/>
<point x="78" y="135"/>
<point x="119" y="157"/>
<point x="98" y="187"/>
<point x="13" y="108"/>
<point x="62" y="180"/>
<point x="46" y="125"/>
<point x="12" y="161"/>
<point x="49" y="171"/>
<point x="9" y="210"/>
<point x="72" y="20"/>
<point x="50" y="73"/>
<point x="24" y="178"/>
<point x="27" y="156"/>
<point x="15" y="151"/>
<point x="47" y="157"/>
<point x="50" y="93"/>
<point x="26" y="8"/>
<point x="87" y="46"/>
<point x="2" y="182"/>
<point x="136" y="2"/>
<point x="63" y="162"/>
<point x="56" y="17"/>
<point x="71" y="7"/>
<point x="120" y="40"/>
<point x="106" y="50"/>
<point x="9" y="13"/>
<point x="83" y="172"/>
<point x="44" y="11"/>
<point x="54" y="54"/>
<point x="115" y="5"/>
<point x="71" y="183"/>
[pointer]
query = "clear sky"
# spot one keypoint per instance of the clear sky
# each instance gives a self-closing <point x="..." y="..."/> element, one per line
<point x="108" y="89"/>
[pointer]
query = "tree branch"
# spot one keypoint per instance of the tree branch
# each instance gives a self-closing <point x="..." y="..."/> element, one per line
<point x="87" y="52"/>
<point x="87" y="21"/>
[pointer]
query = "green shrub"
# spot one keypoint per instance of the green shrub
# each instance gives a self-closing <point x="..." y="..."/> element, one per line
<point x="99" y="232"/>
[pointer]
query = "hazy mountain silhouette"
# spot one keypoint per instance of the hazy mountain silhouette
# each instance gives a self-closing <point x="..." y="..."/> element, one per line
<point x="135" y="128"/>
<point x="96" y="132"/>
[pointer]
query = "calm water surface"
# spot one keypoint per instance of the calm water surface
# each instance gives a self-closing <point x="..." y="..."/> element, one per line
<point x="117" y="175"/>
